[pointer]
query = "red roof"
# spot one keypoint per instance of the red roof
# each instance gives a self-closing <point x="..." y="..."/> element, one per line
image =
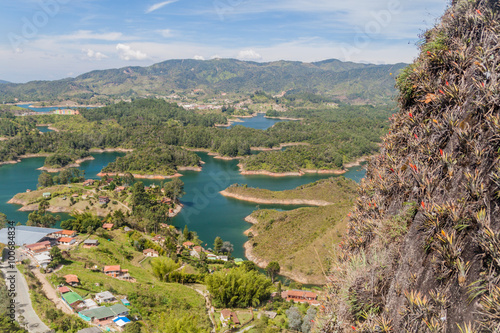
<point x="188" y="244"/>
<point x="70" y="278"/>
<point x="198" y="248"/>
<point x="111" y="268"/>
<point x="66" y="232"/>
<point x="301" y="294"/>
<point x="149" y="251"/>
<point x="65" y="239"/>
<point x="108" y="225"/>
<point x="64" y="289"/>
<point x="36" y="245"/>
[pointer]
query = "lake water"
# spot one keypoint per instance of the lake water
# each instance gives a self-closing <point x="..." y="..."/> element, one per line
<point x="257" y="122"/>
<point x="46" y="109"/>
<point x="44" y="129"/>
<point x="205" y="210"/>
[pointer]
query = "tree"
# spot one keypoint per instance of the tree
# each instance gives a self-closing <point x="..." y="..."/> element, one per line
<point x="249" y="266"/>
<point x="294" y="318"/>
<point x="186" y="232"/>
<point x="218" y="244"/>
<point x="45" y="180"/>
<point x="43" y="206"/>
<point x="273" y="269"/>
<point x="57" y="257"/>
<point x="162" y="267"/>
<point x="227" y="248"/>
<point x="174" y="189"/>
<point x="238" y="288"/>
<point x="308" y="320"/>
<point x="128" y="178"/>
<point x="139" y="196"/>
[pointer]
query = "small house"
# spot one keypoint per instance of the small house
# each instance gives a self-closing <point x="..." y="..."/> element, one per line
<point x="66" y="241"/>
<point x="223" y="258"/>
<point x="88" y="182"/>
<point x="64" y="233"/>
<point x="103" y="313"/>
<point x="104" y="200"/>
<point x="108" y="226"/>
<point x="300" y="296"/>
<point x="90" y="303"/>
<point x="46" y="195"/>
<point x="125" y="302"/>
<point x="150" y="253"/>
<point x="71" y="279"/>
<point x="90" y="243"/>
<point x="43" y="259"/>
<point x="64" y="290"/>
<point x="120" y="189"/>
<point x="188" y="244"/>
<point x="72" y="299"/>
<point x="38" y="248"/>
<point x="113" y="271"/>
<point x="158" y="239"/>
<point x="227" y="315"/>
<point x="105" y="297"/>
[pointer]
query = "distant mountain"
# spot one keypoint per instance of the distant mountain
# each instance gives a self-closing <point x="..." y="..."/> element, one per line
<point x="2" y="81"/>
<point x="345" y="80"/>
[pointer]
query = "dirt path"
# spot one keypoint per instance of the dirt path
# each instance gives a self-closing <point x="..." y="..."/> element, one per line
<point x="51" y="293"/>
<point x="209" y="306"/>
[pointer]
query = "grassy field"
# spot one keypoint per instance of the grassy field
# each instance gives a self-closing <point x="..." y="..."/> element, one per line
<point x="324" y="190"/>
<point x="148" y="296"/>
<point x="62" y="201"/>
<point x="301" y="240"/>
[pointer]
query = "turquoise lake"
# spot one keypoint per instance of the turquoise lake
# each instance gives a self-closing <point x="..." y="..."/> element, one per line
<point x="205" y="210"/>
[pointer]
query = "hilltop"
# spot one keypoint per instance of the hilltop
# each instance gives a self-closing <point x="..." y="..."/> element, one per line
<point x="422" y="252"/>
<point x="342" y="80"/>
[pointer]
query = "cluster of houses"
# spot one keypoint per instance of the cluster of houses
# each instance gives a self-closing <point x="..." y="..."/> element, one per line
<point x="40" y="251"/>
<point x="90" y="311"/>
<point x="196" y="251"/>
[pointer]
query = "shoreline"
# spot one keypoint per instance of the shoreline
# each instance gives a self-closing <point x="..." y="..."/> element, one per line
<point x="138" y="176"/>
<point x="77" y="163"/>
<point x="281" y="146"/>
<point x="110" y="150"/>
<point x="274" y="201"/>
<point x="299" y="173"/>
<point x="302" y="172"/>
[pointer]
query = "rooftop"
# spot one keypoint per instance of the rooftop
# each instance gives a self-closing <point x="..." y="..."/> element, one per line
<point x="105" y="312"/>
<point x="26" y="235"/>
<point x="111" y="268"/>
<point x="72" y="297"/>
<point x="104" y="294"/>
<point x="70" y="278"/>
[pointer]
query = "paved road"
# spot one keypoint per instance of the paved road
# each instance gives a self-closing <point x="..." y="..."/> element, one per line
<point x="23" y="302"/>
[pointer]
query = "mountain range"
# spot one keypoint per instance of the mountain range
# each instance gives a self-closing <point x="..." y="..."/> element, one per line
<point x="343" y="80"/>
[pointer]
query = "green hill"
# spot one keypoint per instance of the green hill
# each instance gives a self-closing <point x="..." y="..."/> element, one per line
<point x="343" y="80"/>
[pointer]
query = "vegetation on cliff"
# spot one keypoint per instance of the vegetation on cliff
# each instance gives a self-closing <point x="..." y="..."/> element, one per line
<point x="422" y="250"/>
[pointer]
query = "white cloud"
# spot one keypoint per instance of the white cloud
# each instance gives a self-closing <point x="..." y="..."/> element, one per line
<point x="198" y="57"/>
<point x="91" y="54"/>
<point x="127" y="53"/>
<point x="167" y="33"/>
<point x="88" y="34"/>
<point x="159" y="5"/>
<point x="249" y="55"/>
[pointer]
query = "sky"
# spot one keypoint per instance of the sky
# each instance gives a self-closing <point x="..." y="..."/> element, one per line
<point x="54" y="39"/>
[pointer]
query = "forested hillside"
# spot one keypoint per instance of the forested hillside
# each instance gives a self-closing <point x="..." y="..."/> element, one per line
<point x="422" y="252"/>
<point x="347" y="81"/>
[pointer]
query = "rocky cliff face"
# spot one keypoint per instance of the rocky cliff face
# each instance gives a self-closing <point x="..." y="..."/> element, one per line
<point x="422" y="253"/>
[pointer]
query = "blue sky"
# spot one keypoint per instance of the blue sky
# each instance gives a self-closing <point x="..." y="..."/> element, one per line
<point x="53" y="39"/>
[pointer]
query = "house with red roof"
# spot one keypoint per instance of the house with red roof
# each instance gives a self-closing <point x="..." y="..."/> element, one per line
<point x="227" y="316"/>
<point x="72" y="279"/>
<point x="108" y="226"/>
<point x="66" y="241"/>
<point x="300" y="296"/>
